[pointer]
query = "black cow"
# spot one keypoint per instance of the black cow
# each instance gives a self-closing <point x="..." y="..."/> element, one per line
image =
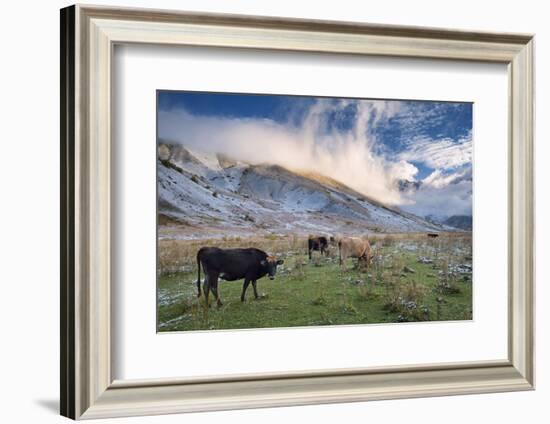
<point x="233" y="264"/>
<point x="319" y="244"/>
<point x="433" y="235"/>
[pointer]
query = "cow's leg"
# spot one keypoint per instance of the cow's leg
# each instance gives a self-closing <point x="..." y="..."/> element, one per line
<point x="214" y="288"/>
<point x="365" y="262"/>
<point x="206" y="289"/>
<point x="245" y="286"/>
<point x="199" y="279"/>
<point x="309" y="253"/>
<point x="199" y="286"/>
<point x="255" y="290"/>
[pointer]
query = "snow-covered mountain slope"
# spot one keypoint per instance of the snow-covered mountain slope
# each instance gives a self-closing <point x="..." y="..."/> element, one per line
<point x="204" y="194"/>
<point x="462" y="222"/>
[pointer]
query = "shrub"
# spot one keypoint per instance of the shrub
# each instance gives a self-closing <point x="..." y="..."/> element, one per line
<point x="319" y="300"/>
<point x="405" y="299"/>
<point x="171" y="165"/>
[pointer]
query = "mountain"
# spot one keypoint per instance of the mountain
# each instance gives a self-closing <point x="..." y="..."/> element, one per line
<point x="408" y="185"/>
<point x="462" y="222"/>
<point x="202" y="194"/>
<point x="456" y="222"/>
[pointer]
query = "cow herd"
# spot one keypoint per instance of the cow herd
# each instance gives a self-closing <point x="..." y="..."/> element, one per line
<point x="251" y="264"/>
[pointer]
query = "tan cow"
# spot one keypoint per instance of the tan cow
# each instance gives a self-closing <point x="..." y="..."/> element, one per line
<point x="355" y="247"/>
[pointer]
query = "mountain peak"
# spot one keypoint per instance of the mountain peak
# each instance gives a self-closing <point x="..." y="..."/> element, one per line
<point x="215" y="193"/>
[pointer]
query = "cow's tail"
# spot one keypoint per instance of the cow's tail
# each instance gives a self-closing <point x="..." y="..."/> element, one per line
<point x="199" y="273"/>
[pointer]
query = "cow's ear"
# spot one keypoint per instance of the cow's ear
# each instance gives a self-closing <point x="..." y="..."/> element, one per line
<point x="280" y="262"/>
<point x="263" y="262"/>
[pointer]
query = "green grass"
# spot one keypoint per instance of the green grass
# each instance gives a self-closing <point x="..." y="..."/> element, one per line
<point x="318" y="293"/>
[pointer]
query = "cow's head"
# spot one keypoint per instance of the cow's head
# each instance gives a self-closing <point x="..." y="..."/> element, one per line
<point x="370" y="256"/>
<point x="270" y="263"/>
<point x="367" y="258"/>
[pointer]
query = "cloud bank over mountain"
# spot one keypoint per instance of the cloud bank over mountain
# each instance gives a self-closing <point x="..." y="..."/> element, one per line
<point x="372" y="146"/>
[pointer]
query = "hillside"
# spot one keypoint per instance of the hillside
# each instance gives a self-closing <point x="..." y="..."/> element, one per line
<point x="463" y="222"/>
<point x="208" y="195"/>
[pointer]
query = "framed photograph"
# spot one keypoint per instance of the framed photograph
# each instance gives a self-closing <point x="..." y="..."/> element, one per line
<point x="266" y="212"/>
<point x="256" y="186"/>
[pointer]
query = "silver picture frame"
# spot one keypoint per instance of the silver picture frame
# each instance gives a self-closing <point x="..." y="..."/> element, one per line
<point x="88" y="389"/>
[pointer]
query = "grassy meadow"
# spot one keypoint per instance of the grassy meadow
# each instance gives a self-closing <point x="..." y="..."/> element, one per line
<point x="412" y="278"/>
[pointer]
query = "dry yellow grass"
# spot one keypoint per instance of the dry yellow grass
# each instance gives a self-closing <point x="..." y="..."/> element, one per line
<point x="175" y="255"/>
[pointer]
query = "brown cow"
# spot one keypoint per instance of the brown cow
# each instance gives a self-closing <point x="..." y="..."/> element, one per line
<point x="319" y="243"/>
<point x="355" y="247"/>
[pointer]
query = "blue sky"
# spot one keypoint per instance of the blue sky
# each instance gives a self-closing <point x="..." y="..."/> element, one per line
<point x="423" y="141"/>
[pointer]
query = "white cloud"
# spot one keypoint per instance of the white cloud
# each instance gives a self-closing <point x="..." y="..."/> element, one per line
<point x="350" y="156"/>
<point x="404" y="170"/>
<point x="442" y="194"/>
<point x="347" y="156"/>
<point x="439" y="179"/>
<point x="442" y="201"/>
<point x="440" y="154"/>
